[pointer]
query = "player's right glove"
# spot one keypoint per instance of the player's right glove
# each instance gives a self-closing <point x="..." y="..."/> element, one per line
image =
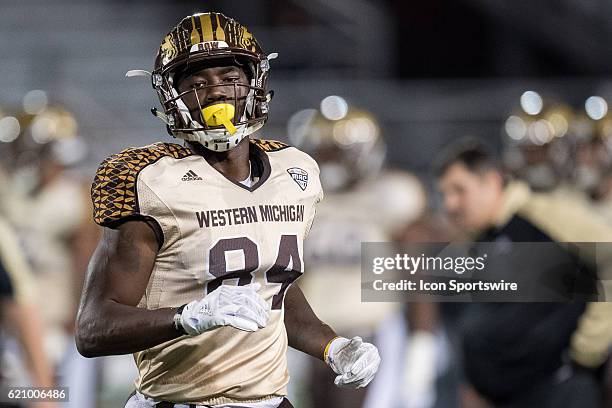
<point x="238" y="306"/>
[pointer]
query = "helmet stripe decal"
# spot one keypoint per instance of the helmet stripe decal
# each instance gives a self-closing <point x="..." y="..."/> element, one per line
<point x="220" y="31"/>
<point x="206" y="27"/>
<point x="234" y="32"/>
<point x="213" y="22"/>
<point x="195" y="34"/>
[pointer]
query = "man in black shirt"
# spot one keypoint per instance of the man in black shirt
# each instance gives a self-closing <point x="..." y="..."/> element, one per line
<point x="525" y="354"/>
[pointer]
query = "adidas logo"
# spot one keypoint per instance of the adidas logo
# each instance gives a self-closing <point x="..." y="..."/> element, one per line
<point x="191" y="176"/>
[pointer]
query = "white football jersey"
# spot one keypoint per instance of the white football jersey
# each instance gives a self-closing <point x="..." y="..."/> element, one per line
<point x="215" y="231"/>
<point x="45" y="223"/>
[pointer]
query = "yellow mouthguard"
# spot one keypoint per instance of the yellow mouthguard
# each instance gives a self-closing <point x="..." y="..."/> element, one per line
<point x="220" y="114"/>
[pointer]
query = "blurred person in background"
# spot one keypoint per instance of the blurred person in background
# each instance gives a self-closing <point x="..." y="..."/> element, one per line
<point x="536" y="146"/>
<point x="363" y="203"/>
<point x="21" y="329"/>
<point x="603" y="195"/>
<point x="592" y="155"/>
<point x="590" y="133"/>
<point x="557" y="149"/>
<point x="518" y="354"/>
<point x="434" y="227"/>
<point x="48" y="204"/>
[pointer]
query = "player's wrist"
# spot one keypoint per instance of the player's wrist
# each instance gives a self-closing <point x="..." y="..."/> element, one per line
<point x="331" y="347"/>
<point x="177" y="320"/>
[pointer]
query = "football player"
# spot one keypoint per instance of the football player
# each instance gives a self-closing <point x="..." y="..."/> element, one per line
<point x="535" y="145"/>
<point x="20" y="322"/>
<point x="203" y="241"/>
<point x="47" y="203"/>
<point x="349" y="146"/>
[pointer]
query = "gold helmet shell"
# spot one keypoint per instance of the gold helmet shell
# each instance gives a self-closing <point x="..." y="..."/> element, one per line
<point x="206" y="35"/>
<point x="346" y="141"/>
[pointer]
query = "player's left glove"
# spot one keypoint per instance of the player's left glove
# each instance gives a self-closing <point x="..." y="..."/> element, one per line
<point x="354" y="361"/>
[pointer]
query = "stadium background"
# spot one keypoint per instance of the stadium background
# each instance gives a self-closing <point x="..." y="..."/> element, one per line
<point x="431" y="72"/>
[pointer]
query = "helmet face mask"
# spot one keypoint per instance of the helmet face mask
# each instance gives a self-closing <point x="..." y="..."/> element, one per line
<point x="197" y="95"/>
<point x="203" y="41"/>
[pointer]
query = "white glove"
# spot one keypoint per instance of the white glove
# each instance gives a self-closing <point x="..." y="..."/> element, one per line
<point x="238" y="306"/>
<point x="420" y="363"/>
<point x="354" y="361"/>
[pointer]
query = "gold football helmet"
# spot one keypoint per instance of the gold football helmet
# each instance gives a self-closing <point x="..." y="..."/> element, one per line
<point x="535" y="141"/>
<point x="346" y="141"/>
<point x="211" y="39"/>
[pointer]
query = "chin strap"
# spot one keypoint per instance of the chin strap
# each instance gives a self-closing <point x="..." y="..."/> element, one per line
<point x="160" y="115"/>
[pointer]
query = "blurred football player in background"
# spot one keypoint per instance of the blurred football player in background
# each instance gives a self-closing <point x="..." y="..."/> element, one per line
<point x="202" y="242"/>
<point x="553" y="147"/>
<point x="590" y="133"/>
<point x="21" y="329"/>
<point x="561" y="150"/>
<point x="364" y="203"/>
<point x="536" y="149"/>
<point x="603" y="195"/>
<point x="592" y="163"/>
<point x="514" y="354"/>
<point x="48" y="205"/>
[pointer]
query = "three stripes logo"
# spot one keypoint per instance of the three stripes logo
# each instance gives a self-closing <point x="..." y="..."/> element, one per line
<point x="191" y="176"/>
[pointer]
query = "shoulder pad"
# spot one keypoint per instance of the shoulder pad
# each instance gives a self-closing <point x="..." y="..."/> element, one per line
<point x="269" y="145"/>
<point x="113" y="191"/>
